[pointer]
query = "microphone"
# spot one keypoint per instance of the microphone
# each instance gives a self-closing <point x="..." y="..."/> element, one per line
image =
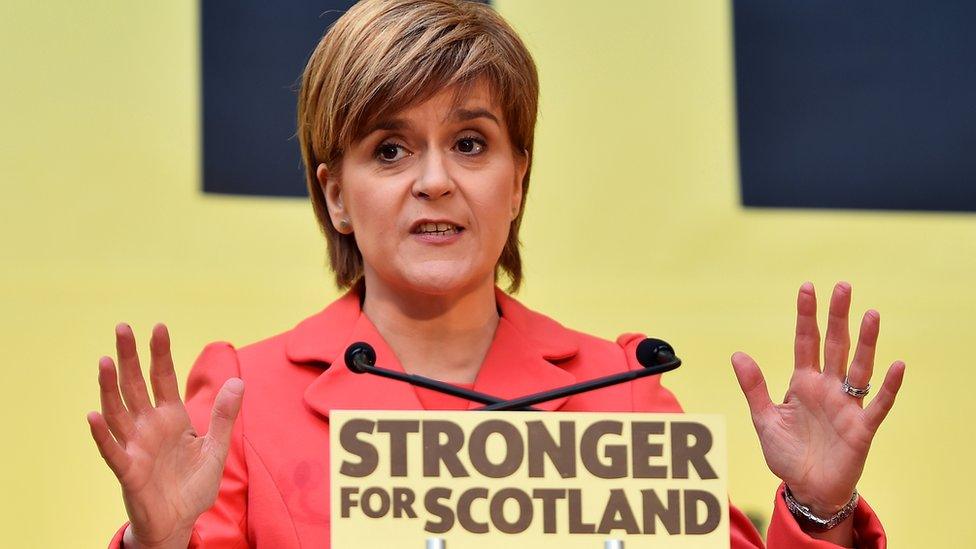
<point x="360" y="358"/>
<point x="655" y="355"/>
<point x="654" y="352"/>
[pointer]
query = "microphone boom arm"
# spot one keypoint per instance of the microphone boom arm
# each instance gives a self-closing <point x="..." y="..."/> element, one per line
<point x="569" y="390"/>
<point x="360" y="358"/>
<point x="656" y="357"/>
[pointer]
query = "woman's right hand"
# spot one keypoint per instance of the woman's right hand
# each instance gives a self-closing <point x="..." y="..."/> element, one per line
<point x="169" y="474"/>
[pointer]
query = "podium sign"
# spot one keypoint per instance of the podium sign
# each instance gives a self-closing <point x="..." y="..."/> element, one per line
<point x="559" y="480"/>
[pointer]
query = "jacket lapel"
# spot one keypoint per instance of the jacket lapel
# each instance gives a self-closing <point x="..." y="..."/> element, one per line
<point x="523" y="358"/>
<point x="513" y="368"/>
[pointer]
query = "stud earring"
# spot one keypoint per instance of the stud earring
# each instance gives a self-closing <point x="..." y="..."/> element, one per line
<point x="343" y="225"/>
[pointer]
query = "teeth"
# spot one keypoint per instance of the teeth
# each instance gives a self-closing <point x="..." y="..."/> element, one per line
<point x="437" y="228"/>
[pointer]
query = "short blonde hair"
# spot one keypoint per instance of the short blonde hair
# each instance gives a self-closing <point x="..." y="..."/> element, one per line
<point x="383" y="56"/>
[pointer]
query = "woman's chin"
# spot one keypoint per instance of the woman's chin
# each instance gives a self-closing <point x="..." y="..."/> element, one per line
<point x="442" y="278"/>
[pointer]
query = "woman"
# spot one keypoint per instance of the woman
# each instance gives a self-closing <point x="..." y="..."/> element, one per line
<point x="416" y="121"/>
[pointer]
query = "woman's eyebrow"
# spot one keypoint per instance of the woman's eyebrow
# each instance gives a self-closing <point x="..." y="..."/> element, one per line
<point x="459" y="115"/>
<point x="462" y="115"/>
<point x="389" y="124"/>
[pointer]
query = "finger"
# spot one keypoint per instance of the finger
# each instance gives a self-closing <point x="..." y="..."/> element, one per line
<point x="753" y="385"/>
<point x="862" y="366"/>
<point x="877" y="411"/>
<point x="837" y="343"/>
<point x="116" y="416"/>
<point x="162" y="375"/>
<point x="130" y="373"/>
<point x="225" y="409"/>
<point x="112" y="453"/>
<point x="806" y="346"/>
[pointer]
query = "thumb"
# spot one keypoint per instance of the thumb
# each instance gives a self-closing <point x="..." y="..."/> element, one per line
<point x="225" y="409"/>
<point x="752" y="383"/>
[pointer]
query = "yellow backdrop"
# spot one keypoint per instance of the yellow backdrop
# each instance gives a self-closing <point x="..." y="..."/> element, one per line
<point x="633" y="223"/>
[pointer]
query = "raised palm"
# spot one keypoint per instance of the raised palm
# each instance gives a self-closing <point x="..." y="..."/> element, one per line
<point x="818" y="439"/>
<point x="168" y="473"/>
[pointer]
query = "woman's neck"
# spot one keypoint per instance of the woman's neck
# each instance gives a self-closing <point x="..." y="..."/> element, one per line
<point x="445" y="337"/>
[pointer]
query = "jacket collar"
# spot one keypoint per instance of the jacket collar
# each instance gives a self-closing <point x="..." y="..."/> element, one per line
<point x="523" y="358"/>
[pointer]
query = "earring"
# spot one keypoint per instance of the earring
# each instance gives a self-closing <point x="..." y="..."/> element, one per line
<point x="343" y="225"/>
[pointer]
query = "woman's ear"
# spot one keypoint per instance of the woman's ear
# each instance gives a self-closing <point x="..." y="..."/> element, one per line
<point x="332" y="191"/>
<point x="521" y="167"/>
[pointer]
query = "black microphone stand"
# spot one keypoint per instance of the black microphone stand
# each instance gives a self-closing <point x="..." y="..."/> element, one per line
<point x="582" y="387"/>
<point x="360" y="358"/>
<point x="655" y="355"/>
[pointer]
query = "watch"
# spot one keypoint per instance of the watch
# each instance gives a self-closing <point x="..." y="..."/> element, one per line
<point x="803" y="513"/>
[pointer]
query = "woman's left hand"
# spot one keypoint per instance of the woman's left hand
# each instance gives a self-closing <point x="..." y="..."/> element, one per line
<point x="818" y="439"/>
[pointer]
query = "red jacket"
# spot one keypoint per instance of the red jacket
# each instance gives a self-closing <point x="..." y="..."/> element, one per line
<point x="275" y="487"/>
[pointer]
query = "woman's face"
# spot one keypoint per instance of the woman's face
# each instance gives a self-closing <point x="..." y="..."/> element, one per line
<point x="430" y="194"/>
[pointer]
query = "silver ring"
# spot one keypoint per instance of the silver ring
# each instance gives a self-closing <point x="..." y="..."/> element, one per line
<point x="856" y="392"/>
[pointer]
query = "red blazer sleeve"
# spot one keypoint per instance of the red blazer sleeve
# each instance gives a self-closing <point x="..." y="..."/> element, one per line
<point x="224" y="525"/>
<point x="784" y="532"/>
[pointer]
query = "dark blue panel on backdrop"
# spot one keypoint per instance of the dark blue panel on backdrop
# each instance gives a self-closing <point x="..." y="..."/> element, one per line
<point x="253" y="53"/>
<point x="867" y="104"/>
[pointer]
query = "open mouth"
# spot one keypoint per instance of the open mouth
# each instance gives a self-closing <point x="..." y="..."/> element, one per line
<point x="431" y="228"/>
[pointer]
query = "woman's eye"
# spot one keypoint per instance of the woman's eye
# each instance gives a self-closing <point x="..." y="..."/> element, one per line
<point x="390" y="152"/>
<point x="470" y="145"/>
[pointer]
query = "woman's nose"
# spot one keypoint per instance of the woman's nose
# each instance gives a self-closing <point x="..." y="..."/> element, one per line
<point x="434" y="181"/>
